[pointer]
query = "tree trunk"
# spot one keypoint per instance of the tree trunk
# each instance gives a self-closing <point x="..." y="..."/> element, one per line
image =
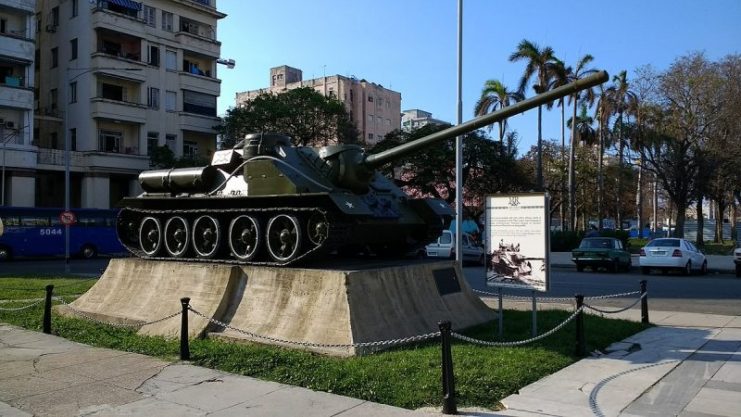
<point x="600" y="180"/>
<point x="734" y="215"/>
<point x="681" y="216"/>
<point x="720" y="208"/>
<point x="639" y="198"/>
<point x="539" y="162"/>
<point x="572" y="186"/>
<point x="700" y="240"/>
<point x="618" y="200"/>
<point x="655" y="225"/>
<point x="563" y="161"/>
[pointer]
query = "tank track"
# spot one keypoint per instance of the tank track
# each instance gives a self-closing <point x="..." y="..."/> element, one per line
<point x="337" y="233"/>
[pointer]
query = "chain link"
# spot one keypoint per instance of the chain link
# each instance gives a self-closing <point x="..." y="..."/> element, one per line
<point x="617" y="311"/>
<point x="38" y="301"/>
<point x="556" y="299"/>
<point x="392" y="342"/>
<point x="520" y="342"/>
<point x="122" y="325"/>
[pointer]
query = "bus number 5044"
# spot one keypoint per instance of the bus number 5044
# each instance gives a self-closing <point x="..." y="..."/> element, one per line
<point x="50" y="232"/>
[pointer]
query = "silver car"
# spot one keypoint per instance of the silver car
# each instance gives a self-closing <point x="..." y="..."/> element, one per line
<point x="444" y="247"/>
<point x="672" y="253"/>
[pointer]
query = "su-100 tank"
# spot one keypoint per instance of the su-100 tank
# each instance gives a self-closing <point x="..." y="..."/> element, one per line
<point x="267" y="202"/>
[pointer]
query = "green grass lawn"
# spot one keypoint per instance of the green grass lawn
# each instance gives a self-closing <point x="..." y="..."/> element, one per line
<point x="407" y="376"/>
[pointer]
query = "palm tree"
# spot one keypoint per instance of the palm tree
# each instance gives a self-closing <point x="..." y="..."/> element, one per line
<point x="579" y="72"/>
<point x="495" y="96"/>
<point x="623" y="102"/>
<point x="540" y="62"/>
<point x="561" y="77"/>
<point x="602" y="114"/>
<point x="587" y="136"/>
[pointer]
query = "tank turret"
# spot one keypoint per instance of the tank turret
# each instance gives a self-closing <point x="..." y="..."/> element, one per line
<point x="269" y="202"/>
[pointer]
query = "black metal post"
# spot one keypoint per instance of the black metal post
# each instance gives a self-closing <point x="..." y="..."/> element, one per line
<point x="448" y="379"/>
<point x="47" y="310"/>
<point x="644" y="303"/>
<point x="501" y="315"/>
<point x="184" y="347"/>
<point x="581" y="345"/>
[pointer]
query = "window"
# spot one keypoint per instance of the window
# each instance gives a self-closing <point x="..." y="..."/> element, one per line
<point x="171" y="60"/>
<point x="167" y="19"/>
<point x="53" y="96"/>
<point x="73" y="139"/>
<point x="370" y="99"/>
<point x="73" y="49"/>
<point x="153" y="98"/>
<point x="190" y="149"/>
<point x="55" y="16"/>
<point x="171" y="100"/>
<point x="153" y="139"/>
<point x="170" y="140"/>
<point x="109" y="141"/>
<point x="154" y="55"/>
<point x="73" y="92"/>
<point x="38" y="22"/>
<point x="370" y="136"/>
<point x="112" y="92"/>
<point x="370" y="119"/>
<point x="75" y="10"/>
<point x="150" y="15"/>
<point x="54" y="57"/>
<point x="199" y="103"/>
<point x="3" y="25"/>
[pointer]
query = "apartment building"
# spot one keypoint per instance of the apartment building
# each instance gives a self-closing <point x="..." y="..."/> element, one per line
<point x="415" y="118"/>
<point x="114" y="78"/>
<point x="375" y="110"/>
<point x="17" y="154"/>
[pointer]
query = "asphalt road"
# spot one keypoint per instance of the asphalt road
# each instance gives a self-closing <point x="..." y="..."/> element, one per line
<point x="718" y="293"/>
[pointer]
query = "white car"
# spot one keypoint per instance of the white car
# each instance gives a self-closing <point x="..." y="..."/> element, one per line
<point x="737" y="259"/>
<point x="672" y="253"/>
<point x="444" y="247"/>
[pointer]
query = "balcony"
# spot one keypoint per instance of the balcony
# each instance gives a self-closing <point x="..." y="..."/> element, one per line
<point x="122" y="162"/>
<point x="103" y="108"/>
<point x="197" y="122"/>
<point x="198" y="37"/>
<point x="28" y="6"/>
<point x="206" y="6"/>
<point x="105" y="17"/>
<point x="18" y="48"/>
<point x="196" y="82"/>
<point x="16" y="96"/>
<point x="55" y="157"/>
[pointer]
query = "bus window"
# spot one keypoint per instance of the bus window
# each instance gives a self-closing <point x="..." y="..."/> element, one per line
<point x="35" y="221"/>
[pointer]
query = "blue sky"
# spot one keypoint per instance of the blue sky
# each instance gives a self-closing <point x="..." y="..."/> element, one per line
<point x="410" y="45"/>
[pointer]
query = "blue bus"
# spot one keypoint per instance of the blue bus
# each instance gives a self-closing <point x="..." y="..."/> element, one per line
<point x="30" y="231"/>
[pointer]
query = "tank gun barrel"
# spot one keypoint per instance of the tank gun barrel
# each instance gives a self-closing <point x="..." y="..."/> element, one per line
<point x="376" y="160"/>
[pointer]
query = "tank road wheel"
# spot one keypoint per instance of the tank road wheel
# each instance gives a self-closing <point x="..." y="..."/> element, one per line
<point x="206" y="236"/>
<point x="244" y="237"/>
<point x="150" y="235"/>
<point x="283" y="237"/>
<point x="317" y="229"/>
<point x="177" y="236"/>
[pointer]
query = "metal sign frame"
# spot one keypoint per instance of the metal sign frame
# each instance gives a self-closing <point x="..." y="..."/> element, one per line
<point x="518" y="241"/>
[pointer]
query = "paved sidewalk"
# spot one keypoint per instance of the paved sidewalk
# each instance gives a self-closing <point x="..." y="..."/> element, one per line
<point x="689" y="365"/>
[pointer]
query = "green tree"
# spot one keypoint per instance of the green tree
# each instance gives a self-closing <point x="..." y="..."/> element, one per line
<point x="623" y="102"/>
<point x="310" y="118"/>
<point x="585" y="96"/>
<point x="495" y="96"/>
<point x="542" y="64"/>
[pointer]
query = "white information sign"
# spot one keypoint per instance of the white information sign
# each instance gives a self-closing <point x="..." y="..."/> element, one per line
<point x="518" y="241"/>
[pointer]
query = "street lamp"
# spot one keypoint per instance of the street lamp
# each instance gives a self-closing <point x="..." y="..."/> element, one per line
<point x="459" y="146"/>
<point x="67" y="144"/>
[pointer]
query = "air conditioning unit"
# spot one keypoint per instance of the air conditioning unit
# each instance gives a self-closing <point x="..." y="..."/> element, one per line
<point x="9" y="125"/>
<point x="51" y="28"/>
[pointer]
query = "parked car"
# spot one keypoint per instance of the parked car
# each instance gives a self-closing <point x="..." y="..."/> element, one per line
<point x="598" y="252"/>
<point x="737" y="258"/>
<point x="672" y="253"/>
<point x="444" y="247"/>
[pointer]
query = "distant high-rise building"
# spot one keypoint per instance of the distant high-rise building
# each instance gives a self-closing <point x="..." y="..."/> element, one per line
<point x="17" y="44"/>
<point x="115" y="79"/>
<point x="375" y="110"/>
<point x="416" y="118"/>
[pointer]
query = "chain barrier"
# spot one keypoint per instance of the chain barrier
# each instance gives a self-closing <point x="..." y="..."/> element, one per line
<point x="38" y="301"/>
<point x="619" y="310"/>
<point x="121" y="325"/>
<point x="568" y="300"/>
<point x="392" y="342"/>
<point x="520" y="342"/>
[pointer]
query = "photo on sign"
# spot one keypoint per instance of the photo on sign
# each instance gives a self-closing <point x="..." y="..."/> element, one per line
<point x="517" y="241"/>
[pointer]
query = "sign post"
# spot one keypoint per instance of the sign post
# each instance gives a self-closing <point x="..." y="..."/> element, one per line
<point x="67" y="218"/>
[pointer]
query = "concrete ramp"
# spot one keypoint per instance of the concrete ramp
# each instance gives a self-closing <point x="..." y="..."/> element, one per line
<point x="352" y="306"/>
<point x="135" y="291"/>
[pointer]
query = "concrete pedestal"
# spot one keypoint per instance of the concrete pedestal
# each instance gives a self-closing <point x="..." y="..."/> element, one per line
<point x="295" y="307"/>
